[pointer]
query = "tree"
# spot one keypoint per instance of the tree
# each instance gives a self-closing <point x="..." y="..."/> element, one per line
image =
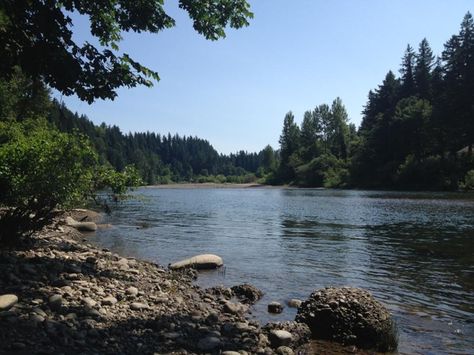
<point x="407" y="74"/>
<point x="289" y="144"/>
<point x="37" y="36"/>
<point x="458" y="58"/>
<point x="424" y="63"/>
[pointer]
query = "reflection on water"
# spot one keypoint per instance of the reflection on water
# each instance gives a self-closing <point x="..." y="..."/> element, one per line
<point x="413" y="251"/>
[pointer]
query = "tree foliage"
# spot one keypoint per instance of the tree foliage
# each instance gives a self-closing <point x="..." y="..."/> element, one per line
<point x="38" y="37"/>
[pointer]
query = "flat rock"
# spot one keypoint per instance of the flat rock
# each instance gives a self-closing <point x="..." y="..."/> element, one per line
<point x="7" y="301"/>
<point x="203" y="261"/>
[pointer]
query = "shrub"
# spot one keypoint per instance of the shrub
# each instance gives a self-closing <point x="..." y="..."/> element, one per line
<point x="42" y="169"/>
<point x="469" y="180"/>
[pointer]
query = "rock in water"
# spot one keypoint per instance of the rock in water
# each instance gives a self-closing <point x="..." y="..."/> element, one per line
<point x="275" y="307"/>
<point x="203" y="261"/>
<point x="350" y="316"/>
<point x="81" y="226"/>
<point x="7" y="302"/>
<point x="247" y="293"/>
<point x="294" y="303"/>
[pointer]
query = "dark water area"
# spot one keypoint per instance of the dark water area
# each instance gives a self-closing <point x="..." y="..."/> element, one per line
<point x="413" y="251"/>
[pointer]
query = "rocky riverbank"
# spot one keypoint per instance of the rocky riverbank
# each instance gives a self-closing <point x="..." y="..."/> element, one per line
<point x="70" y="297"/>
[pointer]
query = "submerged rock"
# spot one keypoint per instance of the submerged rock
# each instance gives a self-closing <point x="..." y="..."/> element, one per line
<point x="203" y="261"/>
<point x="275" y="307"/>
<point x="247" y="293"/>
<point x="350" y="316"/>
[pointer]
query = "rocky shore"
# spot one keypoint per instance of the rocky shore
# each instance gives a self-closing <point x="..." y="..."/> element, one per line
<point x="61" y="295"/>
<point x="67" y="296"/>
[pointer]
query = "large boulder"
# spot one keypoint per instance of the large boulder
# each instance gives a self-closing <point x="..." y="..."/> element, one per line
<point x="350" y="316"/>
<point x="203" y="261"/>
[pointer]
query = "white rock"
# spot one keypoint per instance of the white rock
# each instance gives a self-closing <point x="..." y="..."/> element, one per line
<point x="203" y="261"/>
<point x="7" y="301"/>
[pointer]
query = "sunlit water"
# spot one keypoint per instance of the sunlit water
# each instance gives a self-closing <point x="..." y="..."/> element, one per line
<point x="413" y="251"/>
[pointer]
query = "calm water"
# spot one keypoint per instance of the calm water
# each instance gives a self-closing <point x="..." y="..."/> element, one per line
<point x="413" y="251"/>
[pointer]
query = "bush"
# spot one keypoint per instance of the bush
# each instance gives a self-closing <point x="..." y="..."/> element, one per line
<point x="42" y="169"/>
<point x="469" y="180"/>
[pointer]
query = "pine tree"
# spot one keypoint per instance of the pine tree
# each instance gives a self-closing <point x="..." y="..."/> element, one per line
<point x="423" y="65"/>
<point x="406" y="71"/>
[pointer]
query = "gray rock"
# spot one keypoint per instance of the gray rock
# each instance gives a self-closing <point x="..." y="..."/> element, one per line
<point x="109" y="301"/>
<point x="7" y="301"/>
<point x="234" y="308"/>
<point x="294" y="303"/>
<point x="350" y="316"/>
<point x="131" y="291"/>
<point x="209" y="343"/>
<point x="230" y="353"/>
<point x="275" y="307"/>
<point x="280" y="338"/>
<point x="36" y="319"/>
<point x="89" y="302"/>
<point x="55" y="302"/>
<point x="247" y="293"/>
<point x="81" y="226"/>
<point x="137" y="306"/>
<point x="284" y="350"/>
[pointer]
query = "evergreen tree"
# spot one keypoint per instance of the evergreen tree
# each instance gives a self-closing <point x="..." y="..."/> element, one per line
<point x="423" y="66"/>
<point x="407" y="73"/>
<point x="289" y="144"/>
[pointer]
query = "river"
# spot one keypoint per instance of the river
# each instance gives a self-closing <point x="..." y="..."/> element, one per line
<point x="413" y="251"/>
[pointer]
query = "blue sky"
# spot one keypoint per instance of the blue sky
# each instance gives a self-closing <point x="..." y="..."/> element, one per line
<point x="293" y="56"/>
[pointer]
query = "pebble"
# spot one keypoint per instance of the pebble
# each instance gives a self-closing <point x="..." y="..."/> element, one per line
<point x="89" y="302"/>
<point x="109" y="301"/>
<point x="7" y="301"/>
<point x="55" y="302"/>
<point x="132" y="291"/>
<point x="137" y="306"/>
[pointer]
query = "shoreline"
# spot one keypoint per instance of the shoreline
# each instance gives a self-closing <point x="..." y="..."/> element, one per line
<point x="74" y="297"/>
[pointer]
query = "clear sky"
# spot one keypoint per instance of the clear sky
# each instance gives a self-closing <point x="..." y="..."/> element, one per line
<point x="294" y="55"/>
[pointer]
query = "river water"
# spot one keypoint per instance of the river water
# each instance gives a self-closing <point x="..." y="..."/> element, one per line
<point x="413" y="251"/>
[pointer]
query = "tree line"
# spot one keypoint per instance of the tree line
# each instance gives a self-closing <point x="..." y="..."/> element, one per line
<point x="417" y="130"/>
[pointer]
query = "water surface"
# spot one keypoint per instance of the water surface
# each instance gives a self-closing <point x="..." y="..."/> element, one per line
<point x="413" y="251"/>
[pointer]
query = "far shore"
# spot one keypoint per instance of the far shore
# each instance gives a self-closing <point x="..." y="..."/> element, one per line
<point x="206" y="185"/>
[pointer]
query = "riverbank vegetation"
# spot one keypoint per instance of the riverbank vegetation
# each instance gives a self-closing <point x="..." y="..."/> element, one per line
<point x="417" y="132"/>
